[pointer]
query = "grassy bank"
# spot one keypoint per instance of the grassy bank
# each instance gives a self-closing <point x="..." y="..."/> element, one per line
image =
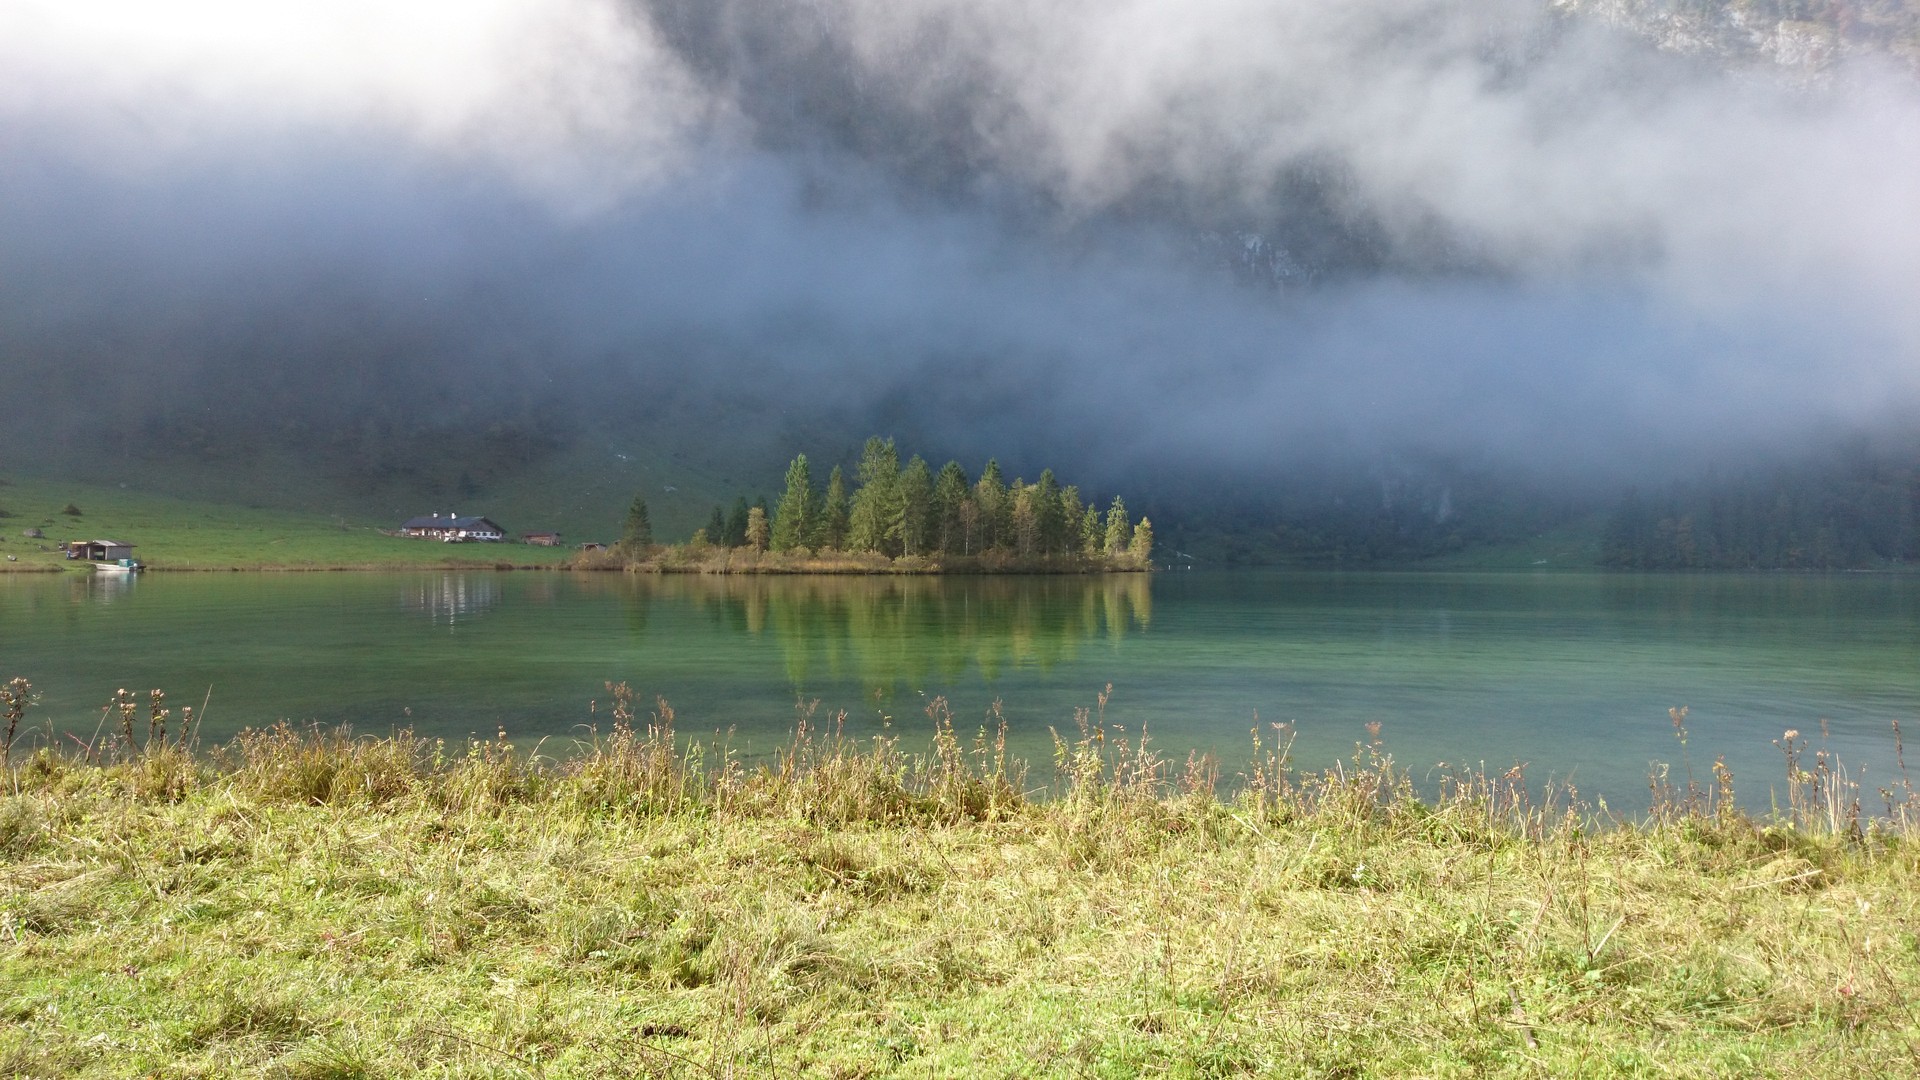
<point x="310" y="904"/>
<point x="179" y="534"/>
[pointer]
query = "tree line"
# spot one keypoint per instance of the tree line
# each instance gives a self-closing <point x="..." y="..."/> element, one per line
<point x="1861" y="510"/>
<point x="910" y="510"/>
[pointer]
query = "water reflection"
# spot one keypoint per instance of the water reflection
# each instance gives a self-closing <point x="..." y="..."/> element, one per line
<point x="451" y="598"/>
<point x="889" y="632"/>
<point x="100" y="588"/>
<point x="1573" y="673"/>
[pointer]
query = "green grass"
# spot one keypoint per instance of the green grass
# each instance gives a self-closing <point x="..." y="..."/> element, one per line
<point x="179" y="534"/>
<point x="582" y="489"/>
<point x="309" y="904"/>
<point x="1575" y="547"/>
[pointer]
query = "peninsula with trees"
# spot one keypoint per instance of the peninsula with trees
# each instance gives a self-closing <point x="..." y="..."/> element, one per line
<point x="897" y="519"/>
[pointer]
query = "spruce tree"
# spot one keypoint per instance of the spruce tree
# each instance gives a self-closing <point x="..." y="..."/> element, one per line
<point x="1091" y="533"/>
<point x="1049" y="525"/>
<point x="996" y="511"/>
<point x="1070" y="517"/>
<point x="916" y="507"/>
<point x="1119" y="533"/>
<point x="950" y="492"/>
<point x="833" y="517"/>
<point x="1026" y="525"/>
<point x="793" y="519"/>
<point x="1140" y="548"/>
<point x="636" y="536"/>
<point x="875" y="519"/>
<point x="736" y="535"/>
<point x="717" y="527"/>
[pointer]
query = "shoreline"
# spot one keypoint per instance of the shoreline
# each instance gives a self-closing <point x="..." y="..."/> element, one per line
<point x="934" y="570"/>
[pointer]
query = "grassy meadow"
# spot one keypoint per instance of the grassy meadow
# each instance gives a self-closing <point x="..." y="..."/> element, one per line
<point x="307" y="903"/>
<point x="180" y="534"/>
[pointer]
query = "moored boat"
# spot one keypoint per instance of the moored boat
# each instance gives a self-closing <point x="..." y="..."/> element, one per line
<point x="107" y="556"/>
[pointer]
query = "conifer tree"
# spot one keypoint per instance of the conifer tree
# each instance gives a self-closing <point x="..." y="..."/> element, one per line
<point x="1050" y="528"/>
<point x="793" y="519"/>
<point x="1140" y="548"/>
<point x="1070" y="515"/>
<point x="1091" y="533"/>
<point x="950" y="491"/>
<point x="833" y="517"/>
<point x="916" y="507"/>
<point x="1119" y="533"/>
<point x="874" y="524"/>
<point x="1025" y="531"/>
<point x="717" y="527"/>
<point x="636" y="536"/>
<point x="757" y="528"/>
<point x="996" y="509"/>
<point x="737" y="523"/>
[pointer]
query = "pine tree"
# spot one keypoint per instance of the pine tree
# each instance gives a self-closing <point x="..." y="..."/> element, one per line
<point x="1119" y="533"/>
<point x="1091" y="534"/>
<point x="716" y="529"/>
<point x="757" y="528"/>
<point x="833" y="518"/>
<point x="916" y="507"/>
<point x="636" y="536"/>
<point x="793" y="520"/>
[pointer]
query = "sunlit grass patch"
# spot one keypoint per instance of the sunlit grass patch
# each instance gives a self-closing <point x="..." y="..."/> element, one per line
<point x="308" y="902"/>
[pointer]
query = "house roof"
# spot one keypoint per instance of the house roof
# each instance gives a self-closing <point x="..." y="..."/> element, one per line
<point x="435" y="521"/>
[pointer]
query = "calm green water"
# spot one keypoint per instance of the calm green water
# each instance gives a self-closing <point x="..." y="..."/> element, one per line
<point x="1572" y="674"/>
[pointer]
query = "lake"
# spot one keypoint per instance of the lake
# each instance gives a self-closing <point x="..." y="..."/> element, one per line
<point x="1572" y="674"/>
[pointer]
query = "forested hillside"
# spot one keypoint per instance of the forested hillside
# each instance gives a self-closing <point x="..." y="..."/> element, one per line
<point x="1853" y="511"/>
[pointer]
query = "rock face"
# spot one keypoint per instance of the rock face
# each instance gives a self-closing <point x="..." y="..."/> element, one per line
<point x="1798" y="35"/>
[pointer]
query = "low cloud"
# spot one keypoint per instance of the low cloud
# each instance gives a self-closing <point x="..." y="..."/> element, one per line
<point x="1233" y="234"/>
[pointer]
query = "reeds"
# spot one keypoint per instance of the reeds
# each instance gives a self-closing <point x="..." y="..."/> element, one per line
<point x="1103" y="776"/>
<point x="16" y="697"/>
<point x="637" y="771"/>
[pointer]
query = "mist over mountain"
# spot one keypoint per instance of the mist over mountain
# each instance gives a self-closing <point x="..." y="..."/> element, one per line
<point x="1256" y="260"/>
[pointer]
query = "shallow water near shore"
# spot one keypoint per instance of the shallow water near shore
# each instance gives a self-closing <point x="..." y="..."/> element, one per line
<point x="1571" y="674"/>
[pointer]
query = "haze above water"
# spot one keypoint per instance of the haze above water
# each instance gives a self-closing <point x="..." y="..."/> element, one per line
<point x="1570" y="673"/>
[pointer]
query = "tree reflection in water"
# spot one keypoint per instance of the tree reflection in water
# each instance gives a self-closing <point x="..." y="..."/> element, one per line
<point x="888" y="631"/>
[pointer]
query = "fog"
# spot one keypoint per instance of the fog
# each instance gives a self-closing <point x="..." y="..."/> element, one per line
<point x="1240" y="237"/>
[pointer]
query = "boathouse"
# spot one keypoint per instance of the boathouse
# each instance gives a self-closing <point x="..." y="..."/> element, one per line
<point x="99" y="551"/>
